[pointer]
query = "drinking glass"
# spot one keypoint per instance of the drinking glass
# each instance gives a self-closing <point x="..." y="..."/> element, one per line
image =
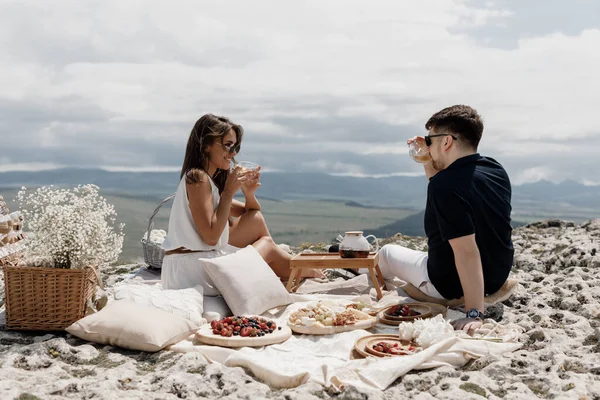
<point x="419" y="153"/>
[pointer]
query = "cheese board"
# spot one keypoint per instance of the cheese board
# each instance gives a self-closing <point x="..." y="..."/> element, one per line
<point x="326" y="318"/>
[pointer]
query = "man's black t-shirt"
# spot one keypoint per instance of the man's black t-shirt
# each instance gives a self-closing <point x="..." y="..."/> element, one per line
<point x="471" y="196"/>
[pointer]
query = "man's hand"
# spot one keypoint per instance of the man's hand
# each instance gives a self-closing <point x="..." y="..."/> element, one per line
<point x="469" y="325"/>
<point x="430" y="170"/>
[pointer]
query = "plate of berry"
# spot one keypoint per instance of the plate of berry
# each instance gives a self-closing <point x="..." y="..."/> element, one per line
<point x="241" y="331"/>
<point x="404" y="312"/>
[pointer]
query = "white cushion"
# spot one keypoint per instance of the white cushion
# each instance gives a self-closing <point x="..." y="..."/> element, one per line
<point x="187" y="303"/>
<point x="133" y="326"/>
<point x="248" y="284"/>
<point x="215" y="308"/>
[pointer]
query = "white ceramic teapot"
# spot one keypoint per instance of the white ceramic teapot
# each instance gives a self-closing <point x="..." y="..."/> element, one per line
<point x="355" y="245"/>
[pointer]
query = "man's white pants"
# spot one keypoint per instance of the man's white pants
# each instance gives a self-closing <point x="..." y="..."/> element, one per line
<point x="408" y="265"/>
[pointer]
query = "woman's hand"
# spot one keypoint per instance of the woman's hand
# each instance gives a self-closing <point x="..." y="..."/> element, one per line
<point x="251" y="182"/>
<point x="235" y="180"/>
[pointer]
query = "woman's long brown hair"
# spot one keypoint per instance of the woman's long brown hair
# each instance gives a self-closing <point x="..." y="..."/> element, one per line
<point x="206" y="131"/>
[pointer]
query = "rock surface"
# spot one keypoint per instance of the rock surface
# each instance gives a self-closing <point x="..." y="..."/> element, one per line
<point x="557" y="304"/>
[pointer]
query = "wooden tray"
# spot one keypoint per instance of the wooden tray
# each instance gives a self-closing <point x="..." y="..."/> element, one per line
<point x="360" y="344"/>
<point x="329" y="330"/>
<point x="423" y="309"/>
<point x="206" y="336"/>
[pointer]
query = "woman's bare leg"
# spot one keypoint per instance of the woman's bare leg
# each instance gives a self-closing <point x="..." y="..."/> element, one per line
<point x="251" y="228"/>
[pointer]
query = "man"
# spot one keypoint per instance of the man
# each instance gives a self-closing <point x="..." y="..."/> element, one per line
<point x="467" y="219"/>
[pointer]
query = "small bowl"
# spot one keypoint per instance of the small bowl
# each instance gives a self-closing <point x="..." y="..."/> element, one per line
<point x="423" y="310"/>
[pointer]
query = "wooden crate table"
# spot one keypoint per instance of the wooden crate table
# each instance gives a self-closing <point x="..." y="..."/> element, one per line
<point x="333" y="260"/>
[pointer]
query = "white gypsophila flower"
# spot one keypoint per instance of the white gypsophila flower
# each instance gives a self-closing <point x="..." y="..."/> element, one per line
<point x="156" y="236"/>
<point x="69" y="228"/>
<point x="426" y="332"/>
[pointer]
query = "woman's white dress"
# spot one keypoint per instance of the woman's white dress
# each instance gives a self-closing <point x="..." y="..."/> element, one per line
<point x="180" y="271"/>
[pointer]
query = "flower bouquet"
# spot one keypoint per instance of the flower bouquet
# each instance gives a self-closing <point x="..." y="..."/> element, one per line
<point x="70" y="233"/>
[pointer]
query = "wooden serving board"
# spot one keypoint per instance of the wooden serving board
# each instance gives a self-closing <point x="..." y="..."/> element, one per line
<point x="435" y="310"/>
<point x="360" y="344"/>
<point x="206" y="336"/>
<point x="329" y="330"/>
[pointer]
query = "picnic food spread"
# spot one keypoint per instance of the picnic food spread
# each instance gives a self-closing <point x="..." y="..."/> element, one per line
<point x="243" y="326"/>
<point x="241" y="331"/>
<point x="400" y="310"/>
<point x="322" y="314"/>
<point x="393" y="348"/>
<point x="328" y="317"/>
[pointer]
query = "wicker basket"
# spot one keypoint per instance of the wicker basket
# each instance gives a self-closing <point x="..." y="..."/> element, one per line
<point x="153" y="252"/>
<point x="48" y="299"/>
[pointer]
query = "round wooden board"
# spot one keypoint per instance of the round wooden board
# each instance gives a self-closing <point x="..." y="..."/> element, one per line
<point x="206" y="336"/>
<point x="329" y="330"/>
<point x="423" y="309"/>
<point x="360" y="344"/>
<point x="403" y="343"/>
<point x="435" y="310"/>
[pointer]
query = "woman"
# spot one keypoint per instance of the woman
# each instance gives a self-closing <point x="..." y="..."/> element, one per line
<point x="202" y="224"/>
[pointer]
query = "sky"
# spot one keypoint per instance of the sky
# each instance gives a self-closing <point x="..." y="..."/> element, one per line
<point x="320" y="86"/>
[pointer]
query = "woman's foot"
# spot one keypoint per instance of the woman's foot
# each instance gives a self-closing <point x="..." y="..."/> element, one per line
<point x="313" y="273"/>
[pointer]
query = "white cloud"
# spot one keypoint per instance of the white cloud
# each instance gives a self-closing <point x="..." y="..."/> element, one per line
<point x="11" y="167"/>
<point x="320" y="79"/>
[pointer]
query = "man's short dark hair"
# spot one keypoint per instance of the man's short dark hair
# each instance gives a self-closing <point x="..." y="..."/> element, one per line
<point x="460" y="120"/>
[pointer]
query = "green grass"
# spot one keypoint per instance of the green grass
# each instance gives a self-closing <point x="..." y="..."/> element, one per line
<point x="292" y="222"/>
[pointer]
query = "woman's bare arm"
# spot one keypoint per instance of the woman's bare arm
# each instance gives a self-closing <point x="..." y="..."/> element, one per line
<point x="209" y="224"/>
<point x="237" y="208"/>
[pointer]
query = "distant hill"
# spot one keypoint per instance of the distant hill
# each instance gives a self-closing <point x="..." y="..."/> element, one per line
<point x="411" y="226"/>
<point x="568" y="200"/>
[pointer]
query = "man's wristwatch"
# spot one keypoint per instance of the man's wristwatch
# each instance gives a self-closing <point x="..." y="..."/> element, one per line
<point x="474" y="313"/>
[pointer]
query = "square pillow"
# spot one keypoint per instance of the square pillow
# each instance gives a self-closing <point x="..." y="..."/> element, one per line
<point x="187" y="303"/>
<point x="215" y="308"/>
<point x="247" y="283"/>
<point x="133" y="326"/>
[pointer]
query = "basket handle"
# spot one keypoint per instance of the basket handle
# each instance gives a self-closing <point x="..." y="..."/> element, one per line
<point x="151" y="223"/>
<point x="98" y="278"/>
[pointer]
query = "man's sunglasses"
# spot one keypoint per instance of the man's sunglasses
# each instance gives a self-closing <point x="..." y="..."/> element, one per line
<point x="231" y="148"/>
<point x="428" y="138"/>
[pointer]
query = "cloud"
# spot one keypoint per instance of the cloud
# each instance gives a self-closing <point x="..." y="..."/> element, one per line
<point x="318" y="86"/>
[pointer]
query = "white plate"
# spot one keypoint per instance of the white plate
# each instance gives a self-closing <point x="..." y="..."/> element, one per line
<point x="205" y="335"/>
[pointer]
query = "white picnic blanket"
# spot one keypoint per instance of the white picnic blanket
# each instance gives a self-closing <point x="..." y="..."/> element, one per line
<point x="327" y="360"/>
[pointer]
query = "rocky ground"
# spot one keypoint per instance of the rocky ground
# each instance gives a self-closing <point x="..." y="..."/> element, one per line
<point x="557" y="304"/>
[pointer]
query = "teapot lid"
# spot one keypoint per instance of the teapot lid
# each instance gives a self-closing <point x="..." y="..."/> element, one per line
<point x="354" y="233"/>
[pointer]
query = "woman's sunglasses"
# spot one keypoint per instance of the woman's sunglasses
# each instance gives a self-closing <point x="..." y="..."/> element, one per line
<point x="231" y="148"/>
<point x="428" y="138"/>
